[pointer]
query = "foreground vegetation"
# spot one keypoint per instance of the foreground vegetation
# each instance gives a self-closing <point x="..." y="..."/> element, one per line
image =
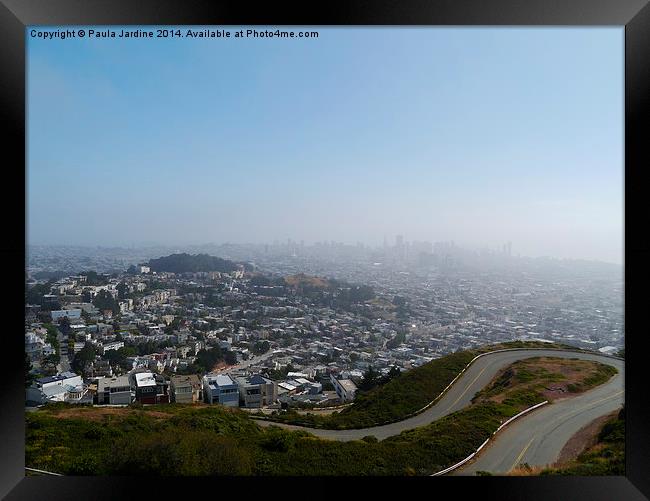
<point x="403" y="395"/>
<point x="187" y="440"/>
<point x="177" y="439"/>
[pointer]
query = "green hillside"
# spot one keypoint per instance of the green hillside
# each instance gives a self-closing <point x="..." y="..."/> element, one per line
<point x="187" y="263"/>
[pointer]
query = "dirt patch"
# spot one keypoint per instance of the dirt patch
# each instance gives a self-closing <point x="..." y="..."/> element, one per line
<point x="219" y="367"/>
<point x="158" y="414"/>
<point x="91" y="413"/>
<point x="585" y="437"/>
<point x="99" y="413"/>
<point x="302" y="279"/>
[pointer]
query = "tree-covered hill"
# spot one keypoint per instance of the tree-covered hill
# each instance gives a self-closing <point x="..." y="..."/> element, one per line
<point x="188" y="263"/>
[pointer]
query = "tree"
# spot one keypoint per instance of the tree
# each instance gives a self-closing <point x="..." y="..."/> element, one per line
<point x="230" y="357"/>
<point x="35" y="293"/>
<point x="52" y="338"/>
<point x="183" y="263"/>
<point x="29" y="377"/>
<point x="260" y="280"/>
<point x="396" y="341"/>
<point x="82" y="358"/>
<point x="122" y="290"/>
<point x="370" y="379"/>
<point x="64" y="326"/>
<point x="207" y="359"/>
<point x="261" y="347"/>
<point x="93" y="278"/>
<point x="393" y="373"/>
<point x="105" y="301"/>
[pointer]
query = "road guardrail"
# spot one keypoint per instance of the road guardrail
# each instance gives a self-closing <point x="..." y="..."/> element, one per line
<point x="505" y="423"/>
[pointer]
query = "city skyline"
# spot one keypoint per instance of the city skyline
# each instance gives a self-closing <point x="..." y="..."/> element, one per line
<point x="476" y="135"/>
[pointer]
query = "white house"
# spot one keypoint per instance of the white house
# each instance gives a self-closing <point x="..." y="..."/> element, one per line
<point x="64" y="387"/>
<point x="345" y="388"/>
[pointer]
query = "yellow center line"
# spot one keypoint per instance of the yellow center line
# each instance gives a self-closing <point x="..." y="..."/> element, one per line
<point x="468" y="387"/>
<point x="521" y="454"/>
<point x="572" y="413"/>
<point x="592" y="404"/>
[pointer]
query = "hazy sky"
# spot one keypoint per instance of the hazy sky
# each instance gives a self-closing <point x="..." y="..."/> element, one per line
<point x="480" y="136"/>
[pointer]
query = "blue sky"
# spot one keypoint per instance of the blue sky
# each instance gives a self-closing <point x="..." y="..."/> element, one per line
<point x="480" y="135"/>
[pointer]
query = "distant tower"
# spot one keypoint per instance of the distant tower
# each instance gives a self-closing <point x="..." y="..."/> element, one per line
<point x="509" y="248"/>
<point x="399" y="241"/>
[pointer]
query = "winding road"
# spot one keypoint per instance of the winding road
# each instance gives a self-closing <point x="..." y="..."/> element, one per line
<point x="536" y="439"/>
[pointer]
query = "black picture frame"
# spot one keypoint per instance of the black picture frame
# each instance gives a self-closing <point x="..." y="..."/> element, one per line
<point x="634" y="15"/>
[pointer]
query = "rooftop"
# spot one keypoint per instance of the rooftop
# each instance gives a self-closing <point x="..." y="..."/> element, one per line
<point x="220" y="379"/>
<point x="347" y="384"/>
<point x="58" y="377"/>
<point x="191" y="379"/>
<point x="145" y="379"/>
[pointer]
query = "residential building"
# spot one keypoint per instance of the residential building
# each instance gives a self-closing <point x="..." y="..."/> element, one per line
<point x="256" y="391"/>
<point x="220" y="389"/>
<point x="115" y="345"/>
<point x="64" y="387"/>
<point x="162" y="389"/>
<point x="345" y="388"/>
<point x="186" y="389"/>
<point x="114" y="391"/>
<point x="145" y="387"/>
<point x="71" y="314"/>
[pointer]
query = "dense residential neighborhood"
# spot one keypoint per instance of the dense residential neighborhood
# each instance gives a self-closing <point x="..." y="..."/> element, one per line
<point x="289" y="325"/>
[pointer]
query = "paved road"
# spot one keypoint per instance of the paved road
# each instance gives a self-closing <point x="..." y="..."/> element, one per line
<point x="64" y="361"/>
<point x="537" y="439"/>
<point x="460" y="395"/>
<point x="250" y="361"/>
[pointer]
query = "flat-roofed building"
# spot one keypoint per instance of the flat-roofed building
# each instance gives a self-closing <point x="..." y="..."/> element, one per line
<point x="345" y="388"/>
<point x="256" y="391"/>
<point x="186" y="389"/>
<point x="220" y="389"/>
<point x="145" y="387"/>
<point x="114" y="391"/>
<point x="71" y="314"/>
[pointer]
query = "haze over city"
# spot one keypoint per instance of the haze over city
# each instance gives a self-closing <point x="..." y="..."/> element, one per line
<point x="480" y="136"/>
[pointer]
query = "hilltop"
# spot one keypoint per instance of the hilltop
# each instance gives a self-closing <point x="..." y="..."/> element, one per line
<point x="191" y="263"/>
